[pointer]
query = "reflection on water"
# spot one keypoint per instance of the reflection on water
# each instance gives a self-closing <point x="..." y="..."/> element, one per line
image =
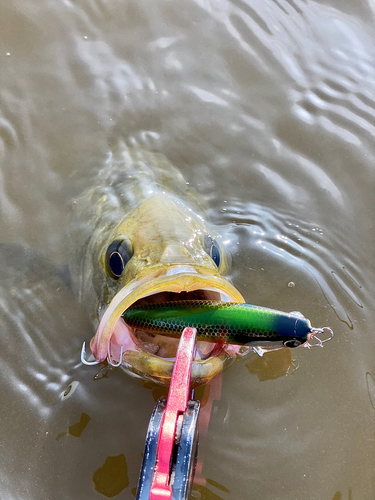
<point x="338" y="496"/>
<point x="267" y="108"/>
<point x="203" y="492"/>
<point x="271" y="365"/>
<point x="158" y="391"/>
<point x="103" y="372"/>
<point x="217" y="485"/>
<point x="77" y="428"/>
<point x="112" y="478"/>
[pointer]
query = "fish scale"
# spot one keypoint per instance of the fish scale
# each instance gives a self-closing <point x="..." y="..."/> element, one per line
<point x="231" y="322"/>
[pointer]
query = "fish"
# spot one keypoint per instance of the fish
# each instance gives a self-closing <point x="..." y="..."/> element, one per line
<point x="140" y="237"/>
<point x="232" y="323"/>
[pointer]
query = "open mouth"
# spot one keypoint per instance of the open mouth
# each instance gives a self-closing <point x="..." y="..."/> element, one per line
<point x="150" y="355"/>
<point x="161" y="345"/>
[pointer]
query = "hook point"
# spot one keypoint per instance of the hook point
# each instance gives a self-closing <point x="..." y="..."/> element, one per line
<point x="83" y="357"/>
<point x="116" y="365"/>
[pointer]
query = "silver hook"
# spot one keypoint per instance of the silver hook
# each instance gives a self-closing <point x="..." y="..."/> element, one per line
<point x="264" y="350"/>
<point x="115" y="365"/>
<point x="320" y="343"/>
<point x="83" y="356"/>
<point x="244" y="350"/>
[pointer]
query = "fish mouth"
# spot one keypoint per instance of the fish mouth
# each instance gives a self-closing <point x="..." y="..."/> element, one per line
<point x="152" y="356"/>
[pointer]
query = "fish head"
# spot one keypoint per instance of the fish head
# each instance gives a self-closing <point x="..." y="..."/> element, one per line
<point x="161" y="251"/>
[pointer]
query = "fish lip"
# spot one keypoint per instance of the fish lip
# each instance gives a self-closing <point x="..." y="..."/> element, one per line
<point x="176" y="278"/>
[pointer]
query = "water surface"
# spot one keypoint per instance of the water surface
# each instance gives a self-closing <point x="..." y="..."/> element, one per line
<point x="267" y="108"/>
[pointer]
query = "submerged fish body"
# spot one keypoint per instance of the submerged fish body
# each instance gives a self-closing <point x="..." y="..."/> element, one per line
<point x="232" y="323"/>
<point x="140" y="238"/>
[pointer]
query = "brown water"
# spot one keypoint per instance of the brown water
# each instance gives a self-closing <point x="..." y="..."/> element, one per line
<point x="268" y="109"/>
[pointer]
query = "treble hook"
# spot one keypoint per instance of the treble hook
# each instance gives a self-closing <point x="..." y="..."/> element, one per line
<point x="83" y="356"/>
<point x="320" y="343"/>
<point x="115" y="365"/>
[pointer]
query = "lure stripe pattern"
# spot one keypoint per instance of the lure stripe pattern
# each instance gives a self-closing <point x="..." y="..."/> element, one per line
<point x="231" y="322"/>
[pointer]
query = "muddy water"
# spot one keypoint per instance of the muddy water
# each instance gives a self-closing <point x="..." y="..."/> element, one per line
<point x="267" y="107"/>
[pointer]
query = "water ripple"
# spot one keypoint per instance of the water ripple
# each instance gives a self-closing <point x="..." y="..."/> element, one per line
<point x="36" y="360"/>
<point x="267" y="108"/>
<point x="307" y="247"/>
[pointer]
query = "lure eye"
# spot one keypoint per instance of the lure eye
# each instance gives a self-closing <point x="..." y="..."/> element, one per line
<point x="118" y="254"/>
<point x="292" y="343"/>
<point x="213" y="249"/>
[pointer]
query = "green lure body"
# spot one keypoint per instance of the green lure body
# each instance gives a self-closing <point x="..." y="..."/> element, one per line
<point x="229" y="322"/>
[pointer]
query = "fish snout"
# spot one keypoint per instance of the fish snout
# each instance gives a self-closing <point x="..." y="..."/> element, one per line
<point x="177" y="254"/>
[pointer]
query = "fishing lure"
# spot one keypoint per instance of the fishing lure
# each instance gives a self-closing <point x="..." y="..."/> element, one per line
<point x="229" y="322"/>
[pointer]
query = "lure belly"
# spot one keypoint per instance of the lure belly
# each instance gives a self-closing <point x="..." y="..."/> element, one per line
<point x="229" y="322"/>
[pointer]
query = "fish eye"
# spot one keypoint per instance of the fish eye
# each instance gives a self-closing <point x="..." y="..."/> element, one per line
<point x="292" y="343"/>
<point x="213" y="249"/>
<point x="118" y="254"/>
